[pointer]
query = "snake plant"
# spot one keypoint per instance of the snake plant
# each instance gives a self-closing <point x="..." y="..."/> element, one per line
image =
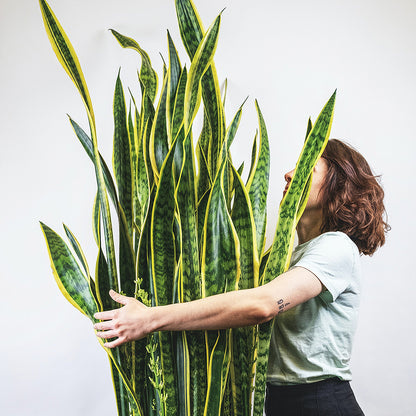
<point x="188" y="226"/>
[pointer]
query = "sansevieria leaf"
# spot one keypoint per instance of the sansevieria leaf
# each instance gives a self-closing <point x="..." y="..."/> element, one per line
<point x="199" y="65"/>
<point x="220" y="272"/>
<point x="66" y="54"/>
<point x="311" y="152"/>
<point x="258" y="184"/>
<point x="88" y="145"/>
<point x="174" y="75"/>
<point x="67" y="57"/>
<point x="68" y="275"/>
<point x="159" y="142"/>
<point x="279" y="258"/>
<point x="163" y="270"/>
<point x="121" y="154"/>
<point x="192" y="32"/>
<point x="147" y="74"/>
<point x="244" y="340"/>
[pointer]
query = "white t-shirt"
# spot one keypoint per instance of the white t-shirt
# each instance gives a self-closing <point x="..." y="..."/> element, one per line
<point x="313" y="341"/>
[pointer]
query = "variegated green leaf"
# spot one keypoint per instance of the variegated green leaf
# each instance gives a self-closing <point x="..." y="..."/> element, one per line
<point x="308" y="128"/>
<point x="258" y="184"/>
<point x="159" y="146"/>
<point x="214" y="109"/>
<point x="127" y="264"/>
<point x="147" y="73"/>
<point x="232" y="128"/>
<point x="190" y="26"/>
<point x="134" y="405"/>
<point x="192" y="33"/>
<point x="102" y="279"/>
<point x="163" y="268"/>
<point x="134" y="131"/>
<point x="78" y="251"/>
<point x="244" y="342"/>
<point x="199" y="65"/>
<point x="122" y="398"/>
<point x="121" y="154"/>
<point x="240" y="169"/>
<point x="311" y="152"/>
<point x="147" y="116"/>
<point x="253" y="157"/>
<point x="186" y="200"/>
<point x="88" y="145"/>
<point x="279" y="258"/>
<point x="203" y="153"/>
<point x="220" y="272"/>
<point x="67" y="57"/>
<point x="175" y="71"/>
<point x="224" y="93"/>
<point x="177" y="117"/>
<point x="191" y="285"/>
<point x="123" y="167"/>
<point x="218" y="368"/>
<point x="144" y="390"/>
<point x="142" y="181"/>
<point x="68" y="275"/>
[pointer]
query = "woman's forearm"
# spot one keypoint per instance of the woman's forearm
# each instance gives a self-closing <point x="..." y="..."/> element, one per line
<point x="135" y="321"/>
<point x="226" y="310"/>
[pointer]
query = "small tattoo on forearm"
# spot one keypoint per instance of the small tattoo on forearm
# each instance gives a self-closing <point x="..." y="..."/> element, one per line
<point x="282" y="305"/>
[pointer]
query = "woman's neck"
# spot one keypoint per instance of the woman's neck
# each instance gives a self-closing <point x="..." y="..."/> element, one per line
<point x="309" y="225"/>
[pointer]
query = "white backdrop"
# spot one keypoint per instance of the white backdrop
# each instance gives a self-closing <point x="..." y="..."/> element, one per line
<point x="290" y="56"/>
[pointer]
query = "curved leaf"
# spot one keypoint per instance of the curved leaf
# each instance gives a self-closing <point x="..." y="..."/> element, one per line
<point x="68" y="275"/>
<point x="88" y="145"/>
<point x="66" y="55"/>
<point x="147" y="74"/>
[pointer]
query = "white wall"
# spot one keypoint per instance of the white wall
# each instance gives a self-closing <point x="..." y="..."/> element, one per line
<point x="290" y="56"/>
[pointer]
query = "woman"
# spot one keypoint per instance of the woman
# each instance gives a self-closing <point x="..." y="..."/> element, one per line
<point x="310" y="350"/>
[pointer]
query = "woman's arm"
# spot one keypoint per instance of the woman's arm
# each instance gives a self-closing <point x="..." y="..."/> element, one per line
<point x="227" y="310"/>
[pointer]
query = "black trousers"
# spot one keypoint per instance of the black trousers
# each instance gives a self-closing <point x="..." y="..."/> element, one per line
<point x="331" y="397"/>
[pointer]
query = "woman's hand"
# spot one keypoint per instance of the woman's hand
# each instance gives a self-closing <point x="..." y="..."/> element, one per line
<point x="125" y="324"/>
<point x="227" y="310"/>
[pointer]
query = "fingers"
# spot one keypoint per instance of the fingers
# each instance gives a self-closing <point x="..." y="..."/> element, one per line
<point x="124" y="300"/>
<point x="114" y="343"/>
<point x="104" y="326"/>
<point x="107" y="334"/>
<point x="109" y="328"/>
<point x="105" y="315"/>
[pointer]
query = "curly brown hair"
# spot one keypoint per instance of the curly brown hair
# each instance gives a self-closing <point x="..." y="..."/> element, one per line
<point x="352" y="198"/>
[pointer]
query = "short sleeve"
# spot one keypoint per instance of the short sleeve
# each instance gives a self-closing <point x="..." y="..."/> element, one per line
<point x="330" y="257"/>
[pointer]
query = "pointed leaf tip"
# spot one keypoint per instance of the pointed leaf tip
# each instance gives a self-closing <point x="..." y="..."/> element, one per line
<point x="241" y="106"/>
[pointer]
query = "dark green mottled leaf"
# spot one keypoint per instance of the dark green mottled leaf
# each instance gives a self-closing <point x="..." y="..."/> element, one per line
<point x="147" y="73"/>
<point x="68" y="275"/>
